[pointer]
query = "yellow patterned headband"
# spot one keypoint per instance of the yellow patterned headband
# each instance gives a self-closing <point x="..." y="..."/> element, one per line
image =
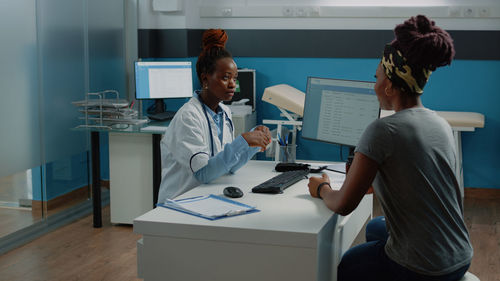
<point x="397" y="69"/>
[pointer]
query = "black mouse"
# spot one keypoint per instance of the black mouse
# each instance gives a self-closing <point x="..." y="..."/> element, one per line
<point x="233" y="192"/>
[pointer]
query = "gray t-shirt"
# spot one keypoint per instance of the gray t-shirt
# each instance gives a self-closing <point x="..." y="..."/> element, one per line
<point x="418" y="190"/>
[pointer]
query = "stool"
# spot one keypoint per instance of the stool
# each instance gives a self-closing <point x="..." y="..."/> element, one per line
<point x="469" y="277"/>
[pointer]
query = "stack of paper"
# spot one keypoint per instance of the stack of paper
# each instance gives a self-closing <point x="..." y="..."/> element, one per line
<point x="210" y="206"/>
<point x="336" y="172"/>
<point x="160" y="129"/>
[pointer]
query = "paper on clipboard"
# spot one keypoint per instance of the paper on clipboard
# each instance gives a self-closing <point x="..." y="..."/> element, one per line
<point x="209" y="206"/>
<point x="337" y="166"/>
<point x="336" y="178"/>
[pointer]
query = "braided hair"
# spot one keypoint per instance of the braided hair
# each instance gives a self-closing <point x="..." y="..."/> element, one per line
<point x="213" y="44"/>
<point x="423" y="43"/>
<point x="418" y="49"/>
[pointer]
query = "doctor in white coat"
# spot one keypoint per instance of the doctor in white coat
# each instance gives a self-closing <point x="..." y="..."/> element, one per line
<point x="199" y="144"/>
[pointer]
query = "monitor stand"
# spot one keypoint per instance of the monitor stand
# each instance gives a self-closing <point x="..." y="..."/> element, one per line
<point x="159" y="113"/>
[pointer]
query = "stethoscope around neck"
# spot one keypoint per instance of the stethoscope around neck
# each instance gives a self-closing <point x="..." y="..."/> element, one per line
<point x="210" y="127"/>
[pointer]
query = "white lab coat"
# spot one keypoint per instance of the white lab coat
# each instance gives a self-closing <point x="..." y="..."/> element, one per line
<point x="186" y="147"/>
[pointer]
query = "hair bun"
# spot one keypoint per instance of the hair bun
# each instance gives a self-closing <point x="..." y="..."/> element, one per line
<point x="214" y="38"/>
<point x="423" y="24"/>
<point x="423" y="43"/>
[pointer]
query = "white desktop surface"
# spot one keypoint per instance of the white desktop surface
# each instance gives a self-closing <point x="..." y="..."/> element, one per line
<point x="290" y="238"/>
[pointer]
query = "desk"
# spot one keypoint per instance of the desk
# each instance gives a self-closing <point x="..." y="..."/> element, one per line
<point x="459" y="122"/>
<point x="124" y="146"/>
<point x="293" y="237"/>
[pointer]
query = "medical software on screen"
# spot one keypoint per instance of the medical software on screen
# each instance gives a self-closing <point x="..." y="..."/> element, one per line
<point x="338" y="111"/>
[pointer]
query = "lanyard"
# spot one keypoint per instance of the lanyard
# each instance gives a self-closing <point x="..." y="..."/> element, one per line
<point x="210" y="127"/>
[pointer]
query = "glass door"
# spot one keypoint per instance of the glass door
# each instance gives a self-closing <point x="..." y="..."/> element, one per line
<point x="52" y="52"/>
<point x="20" y="126"/>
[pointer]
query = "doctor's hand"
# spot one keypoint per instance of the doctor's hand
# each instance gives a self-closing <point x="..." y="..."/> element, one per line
<point x="257" y="138"/>
<point x="314" y="183"/>
<point x="265" y="130"/>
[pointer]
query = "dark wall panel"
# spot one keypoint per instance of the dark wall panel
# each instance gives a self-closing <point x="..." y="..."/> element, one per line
<point x="171" y="43"/>
<point x="477" y="45"/>
<point x="161" y="43"/>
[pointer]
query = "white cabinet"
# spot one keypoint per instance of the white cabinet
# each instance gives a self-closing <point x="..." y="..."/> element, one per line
<point x="131" y="175"/>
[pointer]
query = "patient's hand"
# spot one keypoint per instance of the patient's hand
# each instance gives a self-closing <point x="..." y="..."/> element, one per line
<point x="314" y="182"/>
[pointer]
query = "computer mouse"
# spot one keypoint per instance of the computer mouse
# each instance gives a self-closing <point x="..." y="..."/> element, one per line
<point x="233" y="192"/>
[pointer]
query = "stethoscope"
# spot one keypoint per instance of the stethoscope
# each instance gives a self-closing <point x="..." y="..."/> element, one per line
<point x="210" y="127"/>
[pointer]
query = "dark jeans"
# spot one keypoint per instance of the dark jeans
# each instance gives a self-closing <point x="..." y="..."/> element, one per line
<point x="368" y="261"/>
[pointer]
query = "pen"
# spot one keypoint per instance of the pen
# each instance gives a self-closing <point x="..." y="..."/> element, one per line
<point x="234" y="213"/>
<point x="196" y="198"/>
<point x="279" y="140"/>
<point x="337" y="171"/>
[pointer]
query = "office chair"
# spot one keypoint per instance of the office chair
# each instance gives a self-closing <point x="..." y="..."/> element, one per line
<point x="469" y="277"/>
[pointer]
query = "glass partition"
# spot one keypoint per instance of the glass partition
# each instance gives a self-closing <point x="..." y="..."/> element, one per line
<point x="19" y="109"/>
<point x="52" y="52"/>
<point x="20" y="126"/>
<point x="63" y="63"/>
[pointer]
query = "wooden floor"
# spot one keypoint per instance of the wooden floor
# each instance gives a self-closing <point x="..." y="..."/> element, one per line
<point x="12" y="220"/>
<point x="80" y="252"/>
<point x="482" y="216"/>
<point x="76" y="252"/>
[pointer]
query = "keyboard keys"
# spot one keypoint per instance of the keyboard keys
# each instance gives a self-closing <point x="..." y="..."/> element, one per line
<point x="280" y="182"/>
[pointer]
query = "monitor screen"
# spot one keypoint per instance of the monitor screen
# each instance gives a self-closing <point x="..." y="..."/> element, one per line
<point x="161" y="79"/>
<point x="338" y="111"/>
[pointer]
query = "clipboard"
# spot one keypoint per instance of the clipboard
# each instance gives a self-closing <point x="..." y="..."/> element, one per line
<point x="210" y="207"/>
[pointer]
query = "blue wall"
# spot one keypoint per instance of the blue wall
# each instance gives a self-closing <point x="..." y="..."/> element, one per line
<point x="466" y="85"/>
<point x="61" y="177"/>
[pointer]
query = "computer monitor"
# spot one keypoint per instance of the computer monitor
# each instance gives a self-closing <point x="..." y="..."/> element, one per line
<point x="245" y="87"/>
<point x="338" y="111"/>
<point x="162" y="80"/>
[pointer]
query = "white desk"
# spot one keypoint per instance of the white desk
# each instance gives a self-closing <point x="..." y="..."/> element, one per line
<point x="134" y="153"/>
<point x="131" y="175"/>
<point x="134" y="169"/>
<point x="291" y="238"/>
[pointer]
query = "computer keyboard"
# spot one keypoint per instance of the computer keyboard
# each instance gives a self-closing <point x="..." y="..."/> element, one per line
<point x="278" y="183"/>
<point x="162" y="116"/>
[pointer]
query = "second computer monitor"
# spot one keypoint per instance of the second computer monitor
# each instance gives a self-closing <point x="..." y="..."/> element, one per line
<point x="161" y="79"/>
<point x="338" y="111"/>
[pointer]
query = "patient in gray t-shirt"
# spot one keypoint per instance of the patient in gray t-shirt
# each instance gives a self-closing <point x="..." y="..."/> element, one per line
<point x="410" y="159"/>
<point x="418" y="190"/>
